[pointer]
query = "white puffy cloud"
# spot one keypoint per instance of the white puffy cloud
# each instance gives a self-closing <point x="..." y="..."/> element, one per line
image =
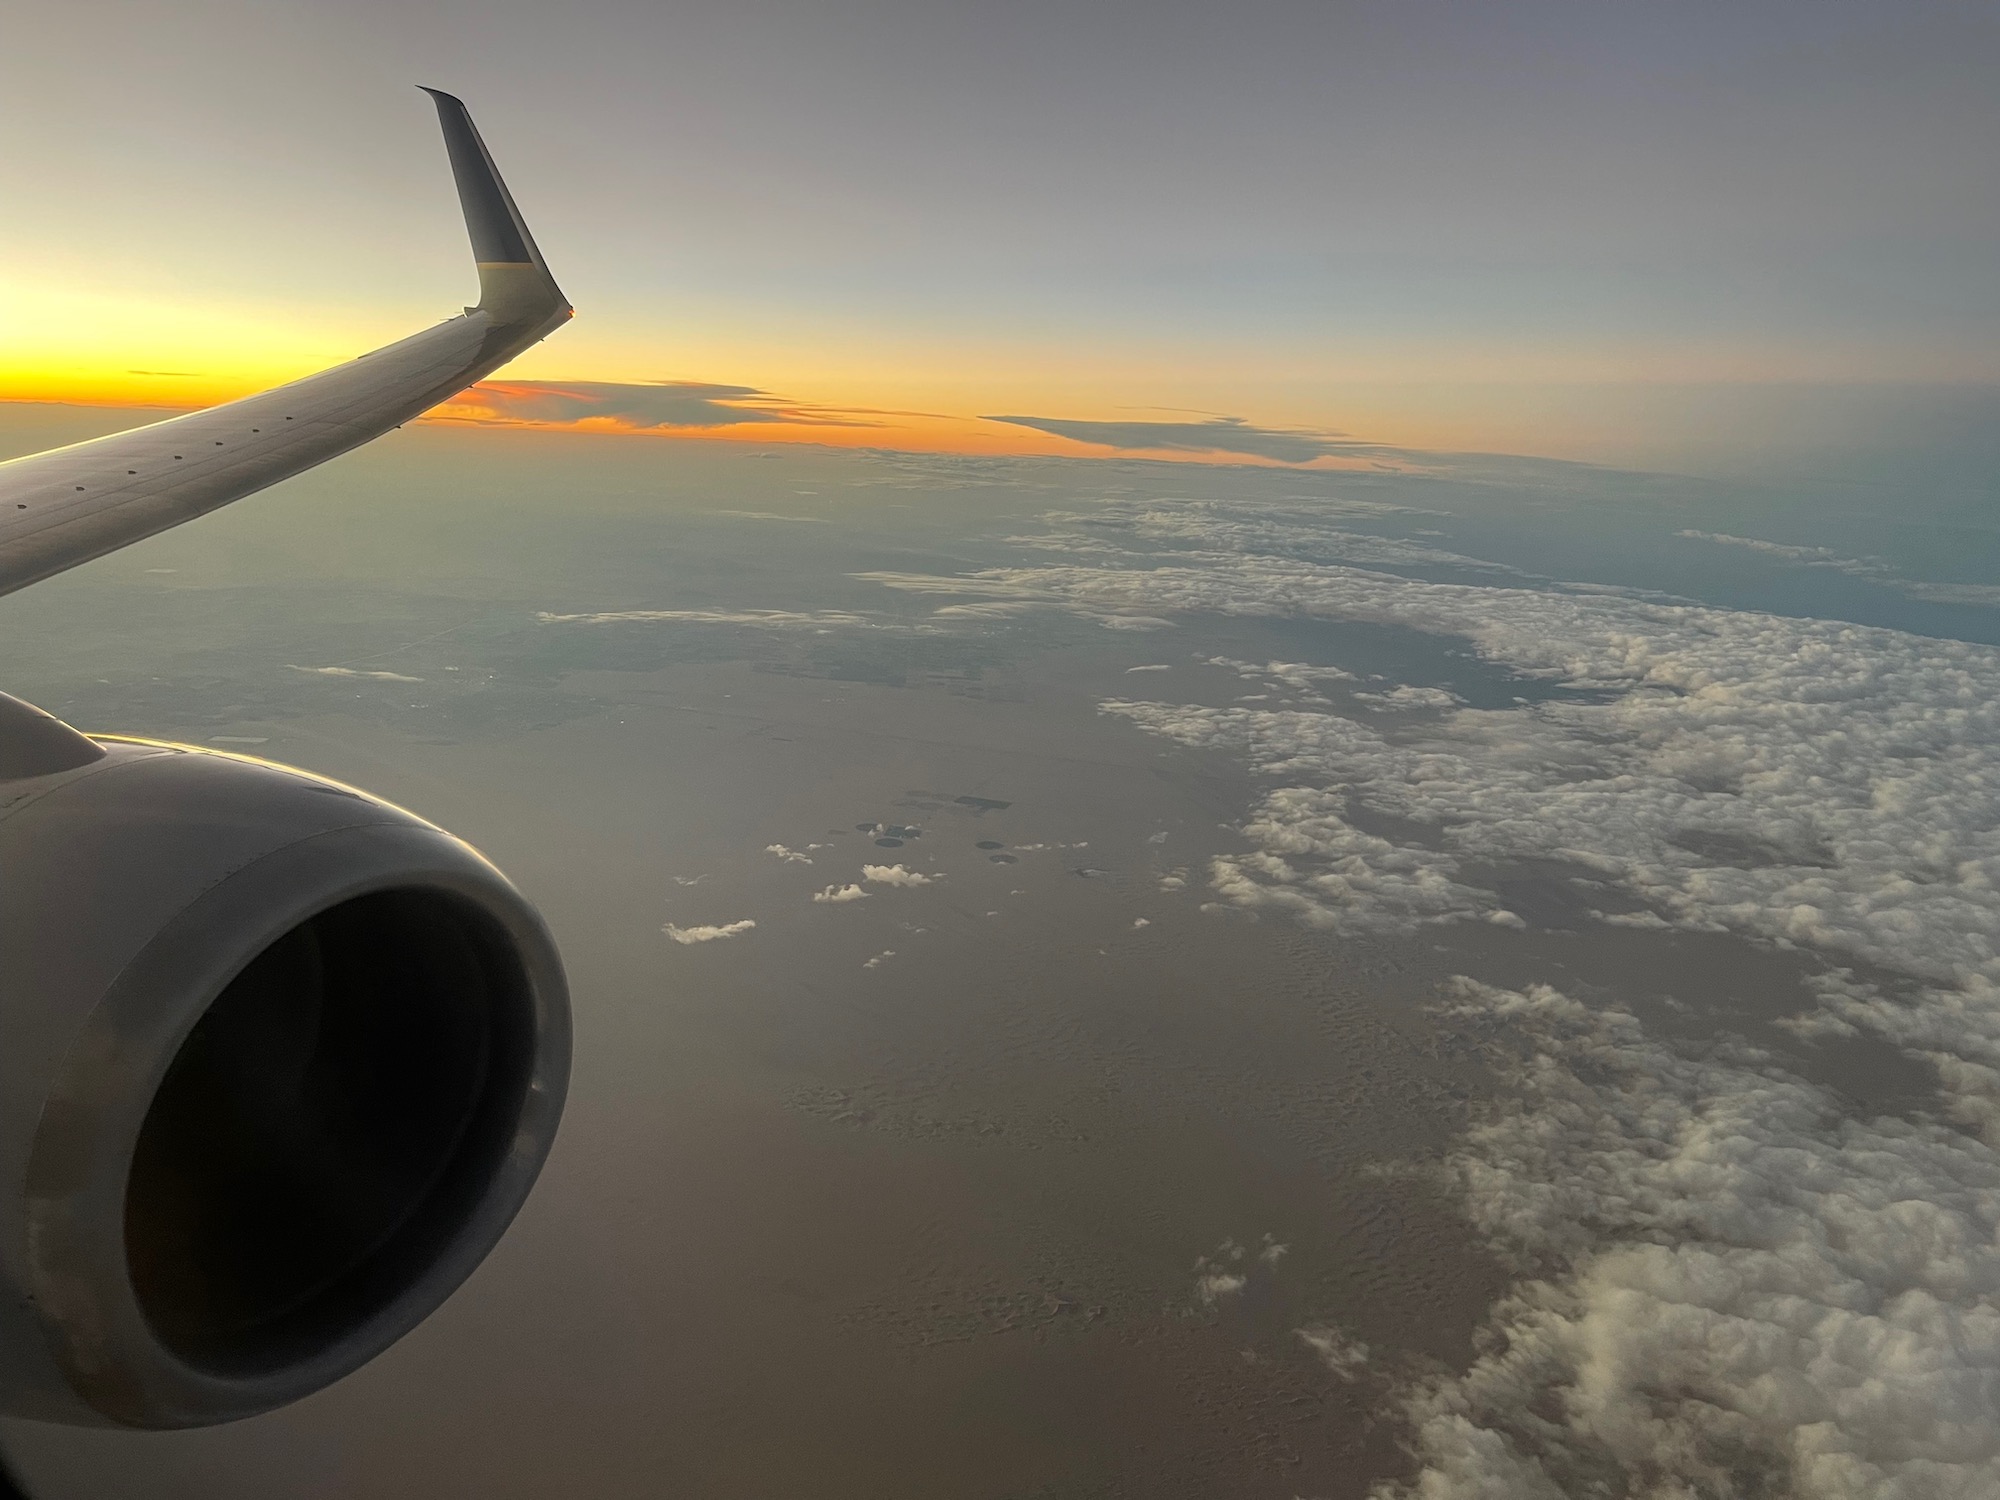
<point x="1405" y="696"/>
<point x="1212" y="1286"/>
<point x="1341" y="1353"/>
<point x="689" y="935"/>
<point x="838" y="893"/>
<point x="789" y="856"/>
<point x="895" y="875"/>
<point x="1301" y="677"/>
<point x="1805" y="781"/>
<point x="1729" y="1288"/>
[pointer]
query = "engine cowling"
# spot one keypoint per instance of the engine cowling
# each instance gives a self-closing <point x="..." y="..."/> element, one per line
<point x="279" y="1062"/>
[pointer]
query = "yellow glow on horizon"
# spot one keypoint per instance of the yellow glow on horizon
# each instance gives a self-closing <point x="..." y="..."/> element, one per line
<point x="62" y="342"/>
<point x="920" y="432"/>
<point x="920" y="389"/>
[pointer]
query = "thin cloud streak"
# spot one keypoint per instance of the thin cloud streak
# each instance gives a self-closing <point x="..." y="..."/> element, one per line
<point x="1215" y="435"/>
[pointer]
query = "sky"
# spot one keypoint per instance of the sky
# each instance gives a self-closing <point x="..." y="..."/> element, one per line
<point x="1692" y="235"/>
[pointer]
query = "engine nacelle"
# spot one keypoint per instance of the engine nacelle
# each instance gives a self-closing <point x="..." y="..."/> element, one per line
<point x="279" y="1062"/>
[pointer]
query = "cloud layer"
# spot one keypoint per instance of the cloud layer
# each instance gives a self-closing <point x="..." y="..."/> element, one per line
<point x="1727" y="1284"/>
<point x="686" y="405"/>
<point x="1728" y="1289"/>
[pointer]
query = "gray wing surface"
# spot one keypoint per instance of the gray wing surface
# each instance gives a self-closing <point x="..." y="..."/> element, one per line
<point x="69" y="505"/>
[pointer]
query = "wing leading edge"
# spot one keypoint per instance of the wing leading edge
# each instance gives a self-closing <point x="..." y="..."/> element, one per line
<point x="69" y="505"/>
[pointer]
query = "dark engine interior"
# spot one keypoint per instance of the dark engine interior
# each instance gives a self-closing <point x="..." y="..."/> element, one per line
<point x="327" y="1128"/>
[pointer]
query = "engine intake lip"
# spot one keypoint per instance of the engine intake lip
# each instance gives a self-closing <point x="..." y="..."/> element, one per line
<point x="127" y="1337"/>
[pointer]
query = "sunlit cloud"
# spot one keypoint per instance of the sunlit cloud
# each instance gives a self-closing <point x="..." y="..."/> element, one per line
<point x="671" y="405"/>
<point x="688" y="936"/>
<point x="896" y="875"/>
<point x="694" y="408"/>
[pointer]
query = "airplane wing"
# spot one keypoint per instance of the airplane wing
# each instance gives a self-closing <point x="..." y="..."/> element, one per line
<point x="66" y="506"/>
<point x="280" y="1061"/>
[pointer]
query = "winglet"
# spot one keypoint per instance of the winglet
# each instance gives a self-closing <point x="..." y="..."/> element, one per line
<point x="514" y="281"/>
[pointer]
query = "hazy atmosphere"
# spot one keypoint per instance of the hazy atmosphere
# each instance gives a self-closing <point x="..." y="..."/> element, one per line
<point x="1655" y="235"/>
<point x="1266" y="740"/>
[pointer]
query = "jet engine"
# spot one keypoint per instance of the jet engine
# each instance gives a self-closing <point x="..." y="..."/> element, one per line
<point x="279" y="1062"/>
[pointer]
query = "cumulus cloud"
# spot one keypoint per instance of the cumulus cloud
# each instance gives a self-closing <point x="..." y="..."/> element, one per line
<point x="838" y="893"/>
<point x="1341" y="1353"/>
<point x="1212" y="1286"/>
<point x="1799" y="780"/>
<point x="689" y="935"/>
<point x="1804" y="781"/>
<point x="1727" y="1287"/>
<point x="896" y="875"/>
<point x="353" y="672"/>
<point x="1301" y="678"/>
<point x="789" y="856"/>
<point x="1726" y="1284"/>
<point x="1228" y="1270"/>
<point x="1405" y="696"/>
